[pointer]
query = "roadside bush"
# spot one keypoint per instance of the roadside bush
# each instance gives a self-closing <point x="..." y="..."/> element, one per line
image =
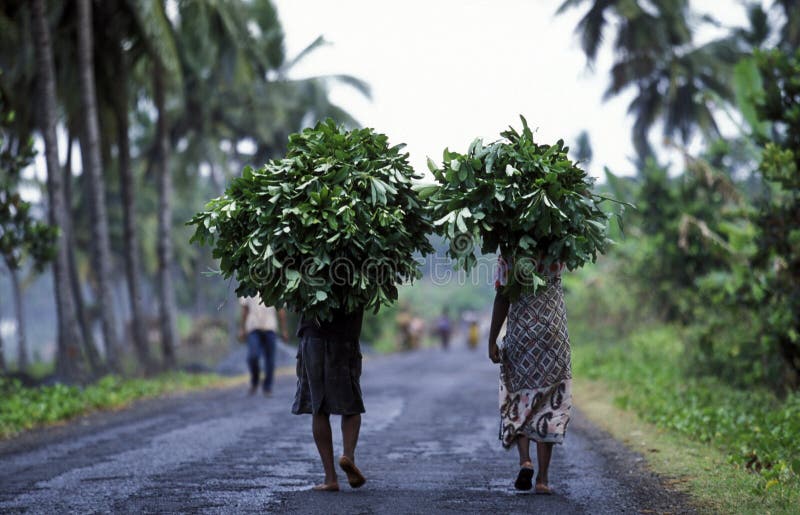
<point x="648" y="371"/>
<point x="24" y="408"/>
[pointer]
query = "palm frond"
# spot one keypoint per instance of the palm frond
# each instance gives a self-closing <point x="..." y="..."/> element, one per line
<point x="158" y="35"/>
<point x="568" y="4"/>
<point x="317" y="43"/>
<point x="359" y="85"/>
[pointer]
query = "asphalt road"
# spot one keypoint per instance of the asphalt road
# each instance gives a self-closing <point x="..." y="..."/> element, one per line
<point x="428" y="445"/>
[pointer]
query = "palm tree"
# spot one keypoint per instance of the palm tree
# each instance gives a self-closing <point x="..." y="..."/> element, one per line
<point x="119" y="24"/>
<point x="22" y="342"/>
<point x="68" y="359"/>
<point x="3" y="366"/>
<point x="166" y="291"/>
<point x="154" y="40"/>
<point x="677" y="83"/>
<point x="92" y="165"/>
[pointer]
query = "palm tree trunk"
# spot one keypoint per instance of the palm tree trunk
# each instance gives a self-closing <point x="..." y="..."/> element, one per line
<point x="131" y="242"/>
<point x="22" y="342"/>
<point x="69" y="364"/>
<point x="3" y="366"/>
<point x="89" y="347"/>
<point x="90" y="151"/>
<point x="166" y="293"/>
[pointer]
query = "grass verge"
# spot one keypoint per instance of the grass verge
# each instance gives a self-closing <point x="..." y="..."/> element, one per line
<point x="733" y="451"/>
<point x="702" y="471"/>
<point x="27" y="408"/>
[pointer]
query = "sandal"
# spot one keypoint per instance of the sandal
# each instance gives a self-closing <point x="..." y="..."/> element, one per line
<point x="354" y="476"/>
<point x="524" y="477"/>
<point x="543" y="489"/>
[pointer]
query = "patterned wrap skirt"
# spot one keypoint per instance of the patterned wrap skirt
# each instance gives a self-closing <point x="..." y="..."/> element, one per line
<point x="536" y="371"/>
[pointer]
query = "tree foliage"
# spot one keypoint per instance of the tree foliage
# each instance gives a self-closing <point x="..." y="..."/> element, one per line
<point x="778" y="219"/>
<point x="21" y="233"/>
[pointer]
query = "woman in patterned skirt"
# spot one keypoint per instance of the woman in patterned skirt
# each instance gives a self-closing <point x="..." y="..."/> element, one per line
<point x="535" y="372"/>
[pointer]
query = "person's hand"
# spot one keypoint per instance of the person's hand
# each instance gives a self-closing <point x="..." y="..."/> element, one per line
<point x="242" y="335"/>
<point x="494" y="352"/>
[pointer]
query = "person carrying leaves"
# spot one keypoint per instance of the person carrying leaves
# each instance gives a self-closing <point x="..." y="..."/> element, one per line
<point x="535" y="371"/>
<point x="535" y="206"/>
<point x="328" y="231"/>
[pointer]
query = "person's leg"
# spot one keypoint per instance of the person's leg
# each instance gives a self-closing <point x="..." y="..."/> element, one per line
<point x="268" y="339"/>
<point x="321" y="429"/>
<point x="544" y="451"/>
<point x="525" y="475"/>
<point x="351" y="425"/>
<point x="253" y="356"/>
<point x="524" y="448"/>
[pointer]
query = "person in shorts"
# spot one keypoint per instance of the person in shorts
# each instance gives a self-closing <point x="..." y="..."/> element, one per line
<point x="328" y="383"/>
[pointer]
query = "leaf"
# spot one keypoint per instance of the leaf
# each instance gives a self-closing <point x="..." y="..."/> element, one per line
<point x="749" y="89"/>
<point x="426" y="191"/>
<point x="460" y="222"/>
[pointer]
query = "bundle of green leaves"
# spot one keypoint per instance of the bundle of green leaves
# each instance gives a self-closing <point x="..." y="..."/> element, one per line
<point x="527" y="200"/>
<point x="335" y="225"/>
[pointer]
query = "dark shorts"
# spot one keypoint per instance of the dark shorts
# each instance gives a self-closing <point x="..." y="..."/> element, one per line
<point x="328" y="376"/>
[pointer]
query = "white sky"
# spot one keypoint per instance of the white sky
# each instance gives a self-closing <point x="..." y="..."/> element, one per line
<point x="446" y="71"/>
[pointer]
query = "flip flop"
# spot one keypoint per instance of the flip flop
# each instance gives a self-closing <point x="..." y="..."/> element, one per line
<point x="542" y="489"/>
<point x="354" y="476"/>
<point x="324" y="487"/>
<point x="524" y="477"/>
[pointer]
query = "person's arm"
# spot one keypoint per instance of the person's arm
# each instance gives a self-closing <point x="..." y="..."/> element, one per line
<point x="242" y="322"/>
<point x="283" y="325"/>
<point x="499" y="313"/>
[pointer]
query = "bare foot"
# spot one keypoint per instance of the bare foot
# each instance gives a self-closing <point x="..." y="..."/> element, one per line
<point x="326" y="487"/>
<point x="354" y="476"/>
<point x="543" y="489"/>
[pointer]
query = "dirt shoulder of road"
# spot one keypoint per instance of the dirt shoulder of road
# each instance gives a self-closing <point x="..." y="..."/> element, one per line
<point x="693" y="468"/>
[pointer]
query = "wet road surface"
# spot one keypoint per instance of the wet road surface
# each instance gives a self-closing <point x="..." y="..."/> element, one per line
<point x="429" y="444"/>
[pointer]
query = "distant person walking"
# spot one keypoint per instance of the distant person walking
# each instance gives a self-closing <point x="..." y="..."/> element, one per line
<point x="535" y="372"/>
<point x="473" y="330"/>
<point x="328" y="383"/>
<point x="258" y="327"/>
<point x="443" y="329"/>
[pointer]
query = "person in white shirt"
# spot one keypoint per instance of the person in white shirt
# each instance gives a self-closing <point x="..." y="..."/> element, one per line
<point x="259" y="324"/>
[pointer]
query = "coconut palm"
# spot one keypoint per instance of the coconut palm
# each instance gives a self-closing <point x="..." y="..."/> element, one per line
<point x="95" y="180"/>
<point x="119" y="24"/>
<point x="68" y="362"/>
<point x="654" y="54"/>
